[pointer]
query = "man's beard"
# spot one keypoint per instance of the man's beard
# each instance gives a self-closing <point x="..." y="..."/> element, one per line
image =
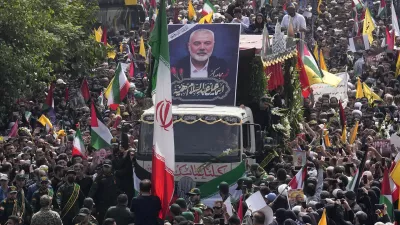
<point x="200" y="58"/>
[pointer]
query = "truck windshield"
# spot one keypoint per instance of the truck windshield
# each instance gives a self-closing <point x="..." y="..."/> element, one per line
<point x="120" y="18"/>
<point x="198" y="138"/>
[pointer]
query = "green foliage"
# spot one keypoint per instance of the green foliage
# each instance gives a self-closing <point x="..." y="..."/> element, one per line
<point x="41" y="40"/>
<point x="258" y="81"/>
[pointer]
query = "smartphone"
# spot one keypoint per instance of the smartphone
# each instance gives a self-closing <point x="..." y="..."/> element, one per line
<point x="379" y="206"/>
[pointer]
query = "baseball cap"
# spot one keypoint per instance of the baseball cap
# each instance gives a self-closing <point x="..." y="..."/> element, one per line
<point x="3" y="177"/>
<point x="107" y="162"/>
<point x="44" y="179"/>
<point x="270" y="197"/>
<point x="84" y="212"/>
<point x="20" y="177"/>
<point x="194" y="191"/>
<point x="12" y="189"/>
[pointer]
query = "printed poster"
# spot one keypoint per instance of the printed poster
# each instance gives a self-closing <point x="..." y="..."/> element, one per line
<point x="339" y="92"/>
<point x="204" y="61"/>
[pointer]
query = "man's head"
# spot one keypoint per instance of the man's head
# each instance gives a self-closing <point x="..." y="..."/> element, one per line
<point x="71" y="175"/>
<point x="107" y="166"/>
<point x="258" y="218"/>
<point x="145" y="186"/>
<point x="218" y="207"/>
<point x="109" y="221"/>
<point x="13" y="220"/>
<point x="201" y="45"/>
<point x="238" y="12"/>
<point x="78" y="168"/>
<point x="20" y="180"/>
<point x="12" y="193"/>
<point x="194" y="195"/>
<point x="44" y="182"/>
<point x="291" y="9"/>
<point x="45" y="201"/>
<point x="122" y="199"/>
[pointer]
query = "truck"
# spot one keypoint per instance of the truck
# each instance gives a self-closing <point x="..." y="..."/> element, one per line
<point x="221" y="136"/>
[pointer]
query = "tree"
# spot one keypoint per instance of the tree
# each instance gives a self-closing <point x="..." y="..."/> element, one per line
<point x="41" y="40"/>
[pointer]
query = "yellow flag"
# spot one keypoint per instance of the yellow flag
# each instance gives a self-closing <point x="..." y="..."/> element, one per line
<point x="118" y="113"/>
<point x="322" y="61"/>
<point x="206" y="19"/>
<point x="191" y="11"/>
<point x="368" y="93"/>
<point x="323" y="220"/>
<point x="368" y="26"/>
<point x="142" y="50"/>
<point x="327" y="140"/>
<point x="45" y="122"/>
<point x="98" y="34"/>
<point x="328" y="78"/>
<point x="344" y="135"/>
<point x="354" y="133"/>
<point x="395" y="174"/>
<point x="398" y="71"/>
<point x="121" y="47"/>
<point x="359" y="90"/>
<point x="130" y="2"/>
<point x="319" y="4"/>
<point x="315" y="52"/>
<point x="111" y="54"/>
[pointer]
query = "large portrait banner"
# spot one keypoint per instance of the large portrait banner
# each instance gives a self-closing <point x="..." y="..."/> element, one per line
<point x="204" y="61"/>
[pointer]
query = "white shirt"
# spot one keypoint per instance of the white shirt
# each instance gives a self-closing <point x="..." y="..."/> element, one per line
<point x="244" y="23"/>
<point x="298" y="22"/>
<point x="201" y="73"/>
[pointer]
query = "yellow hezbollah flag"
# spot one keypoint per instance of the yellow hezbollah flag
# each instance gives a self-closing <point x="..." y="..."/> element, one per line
<point x="111" y="54"/>
<point x="45" y="122"/>
<point x="191" y="11"/>
<point x="315" y="52"/>
<point x="323" y="220"/>
<point x="397" y="68"/>
<point x="319" y="4"/>
<point x="354" y="133"/>
<point x="320" y="58"/>
<point x="130" y="2"/>
<point x="142" y="50"/>
<point x="359" y="90"/>
<point x="328" y="78"/>
<point x="368" y="93"/>
<point x="98" y="34"/>
<point x="368" y="26"/>
<point x="395" y="174"/>
<point x="344" y="135"/>
<point x="121" y="47"/>
<point x="207" y="18"/>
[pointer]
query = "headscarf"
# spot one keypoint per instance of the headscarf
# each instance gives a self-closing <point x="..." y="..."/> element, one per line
<point x="260" y="26"/>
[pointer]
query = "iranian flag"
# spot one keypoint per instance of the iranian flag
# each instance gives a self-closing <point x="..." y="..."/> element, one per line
<point x="208" y="8"/>
<point x="386" y="193"/>
<point x="78" y="148"/>
<point x="297" y="181"/>
<point x="209" y="191"/>
<point x="100" y="134"/>
<point x="117" y="89"/>
<point x="163" y="162"/>
<point x="382" y="9"/>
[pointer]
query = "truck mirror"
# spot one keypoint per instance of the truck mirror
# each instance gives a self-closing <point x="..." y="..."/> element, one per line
<point x="259" y="140"/>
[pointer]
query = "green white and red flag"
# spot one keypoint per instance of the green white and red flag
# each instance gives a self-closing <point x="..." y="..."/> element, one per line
<point x="163" y="161"/>
<point x="78" y="148"/>
<point x="208" y="8"/>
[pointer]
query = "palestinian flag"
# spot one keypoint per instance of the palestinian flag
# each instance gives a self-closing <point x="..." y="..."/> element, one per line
<point x="208" y="8"/>
<point x="297" y="181"/>
<point x="355" y="181"/>
<point x="100" y="134"/>
<point x="117" y="89"/>
<point x="209" y="191"/>
<point x="386" y="193"/>
<point x="355" y="17"/>
<point x="78" y="148"/>
<point x="382" y="9"/>
<point x="139" y="174"/>
<point x="314" y="73"/>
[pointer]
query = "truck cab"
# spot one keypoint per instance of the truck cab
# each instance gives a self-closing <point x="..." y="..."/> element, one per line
<point x="216" y="136"/>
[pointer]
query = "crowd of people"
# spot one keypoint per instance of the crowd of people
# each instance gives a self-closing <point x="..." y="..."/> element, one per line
<point x="42" y="183"/>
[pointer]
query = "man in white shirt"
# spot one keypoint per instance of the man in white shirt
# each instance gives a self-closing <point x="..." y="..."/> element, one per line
<point x="299" y="22"/>
<point x="239" y="18"/>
